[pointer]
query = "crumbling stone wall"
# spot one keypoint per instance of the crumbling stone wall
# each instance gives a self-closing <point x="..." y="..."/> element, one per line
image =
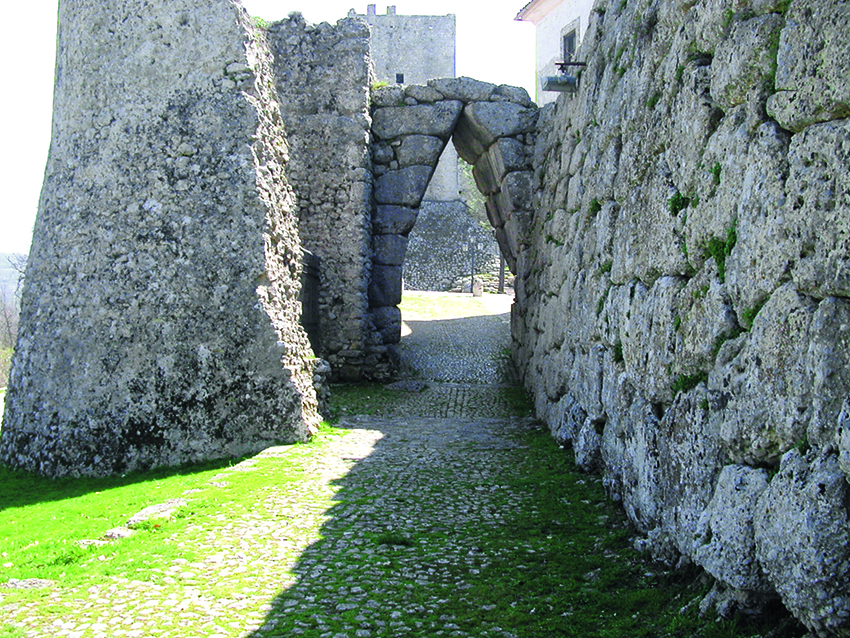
<point x="436" y="258"/>
<point x="160" y="317"/>
<point x="682" y="307"/>
<point x="323" y="80"/>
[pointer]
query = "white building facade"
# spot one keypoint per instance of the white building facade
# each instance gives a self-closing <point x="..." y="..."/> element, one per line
<point x="561" y="25"/>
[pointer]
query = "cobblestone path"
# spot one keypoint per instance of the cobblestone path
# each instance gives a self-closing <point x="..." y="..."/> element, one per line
<point x="387" y="530"/>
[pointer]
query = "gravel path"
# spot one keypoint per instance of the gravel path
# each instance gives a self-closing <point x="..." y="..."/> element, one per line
<point x="384" y="526"/>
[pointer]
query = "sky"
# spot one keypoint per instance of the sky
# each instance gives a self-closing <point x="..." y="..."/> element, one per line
<point x="491" y="46"/>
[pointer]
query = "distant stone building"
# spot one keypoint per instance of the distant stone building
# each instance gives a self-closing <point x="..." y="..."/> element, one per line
<point x="413" y="50"/>
<point x="561" y="25"/>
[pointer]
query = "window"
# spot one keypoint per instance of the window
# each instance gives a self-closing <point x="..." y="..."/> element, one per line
<point x="399" y="78"/>
<point x="569" y="46"/>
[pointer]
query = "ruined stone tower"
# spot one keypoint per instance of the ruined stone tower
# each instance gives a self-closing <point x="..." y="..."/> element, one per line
<point x="160" y="316"/>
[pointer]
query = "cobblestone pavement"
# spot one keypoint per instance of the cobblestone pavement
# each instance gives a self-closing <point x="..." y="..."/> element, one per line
<point x="379" y="530"/>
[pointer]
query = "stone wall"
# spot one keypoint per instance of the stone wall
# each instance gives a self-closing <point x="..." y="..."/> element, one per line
<point x="323" y="80"/>
<point x="160" y="316"/>
<point x="682" y="311"/>
<point x="436" y="258"/>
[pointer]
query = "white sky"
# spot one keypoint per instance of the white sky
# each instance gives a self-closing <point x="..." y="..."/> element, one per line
<point x="491" y="46"/>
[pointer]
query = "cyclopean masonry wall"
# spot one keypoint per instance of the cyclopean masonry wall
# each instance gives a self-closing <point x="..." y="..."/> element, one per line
<point x="682" y="313"/>
<point x="160" y="315"/>
<point x="492" y="128"/>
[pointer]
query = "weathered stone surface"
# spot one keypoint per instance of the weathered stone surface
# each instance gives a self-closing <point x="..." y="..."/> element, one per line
<point x="425" y="94"/>
<point x="322" y="80"/>
<point x="386" y="286"/>
<point x="802" y="532"/>
<point x="816" y="208"/>
<point x="419" y="149"/>
<point x="763" y="251"/>
<point x="649" y="338"/>
<point x="706" y="319"/>
<point x="744" y="61"/>
<point x="588" y="447"/>
<point x="811" y="73"/>
<point x="467" y="144"/>
<point x="488" y="121"/>
<point x="393" y="220"/>
<point x="463" y="89"/>
<point x="160" y="321"/>
<point x="390" y="249"/>
<point x="424" y="119"/>
<point x="516" y="189"/>
<point x="566" y="420"/>
<point x="690" y="458"/>
<point x="842" y="438"/>
<point x="515" y="94"/>
<point x="827" y="369"/>
<point x="764" y="390"/>
<point x="724" y="542"/>
<point x="387" y="321"/>
<point x="485" y="176"/>
<point x="507" y="155"/>
<point x="683" y="231"/>
<point x="403" y="187"/>
<point x="631" y="460"/>
<point x="392" y="95"/>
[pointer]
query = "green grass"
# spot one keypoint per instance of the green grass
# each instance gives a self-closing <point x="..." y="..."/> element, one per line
<point x="560" y="565"/>
<point x="424" y="307"/>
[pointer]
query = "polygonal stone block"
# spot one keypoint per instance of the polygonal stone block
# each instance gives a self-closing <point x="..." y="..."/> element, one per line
<point x="403" y="187"/>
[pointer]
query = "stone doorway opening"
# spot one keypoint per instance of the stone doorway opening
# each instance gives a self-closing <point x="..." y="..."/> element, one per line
<point x="491" y="127"/>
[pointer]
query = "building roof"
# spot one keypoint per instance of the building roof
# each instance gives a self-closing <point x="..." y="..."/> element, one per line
<point x="536" y="10"/>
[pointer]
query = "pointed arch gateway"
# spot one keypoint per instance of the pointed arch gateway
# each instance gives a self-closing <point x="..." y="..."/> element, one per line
<point x="492" y="128"/>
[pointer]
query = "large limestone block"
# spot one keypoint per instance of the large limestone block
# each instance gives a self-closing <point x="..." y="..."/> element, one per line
<point x="842" y="438"/>
<point x="689" y="134"/>
<point x="566" y="420"/>
<point x="706" y="319"/>
<point x="436" y="120"/>
<point x="763" y="251"/>
<point x="828" y="368"/>
<point x="160" y="319"/>
<point x="585" y="381"/>
<point x="516" y="191"/>
<point x="588" y="446"/>
<point x="486" y="178"/>
<point x="744" y="61"/>
<point x="725" y="542"/>
<point x="390" y="249"/>
<point x="817" y="208"/>
<point x="488" y="121"/>
<point x="764" y="392"/>
<point x="802" y="532"/>
<point x="423" y="150"/>
<point x="648" y="238"/>
<point x="386" y="286"/>
<point x="690" y="458"/>
<point x="630" y="457"/>
<point x="393" y="220"/>
<point x="508" y="155"/>
<point x="649" y="338"/>
<point x="403" y="187"/>
<point x="463" y="89"/>
<point x="387" y="321"/>
<point x="811" y="73"/>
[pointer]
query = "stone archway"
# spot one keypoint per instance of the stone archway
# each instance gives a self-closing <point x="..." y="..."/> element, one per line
<point x="492" y="128"/>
